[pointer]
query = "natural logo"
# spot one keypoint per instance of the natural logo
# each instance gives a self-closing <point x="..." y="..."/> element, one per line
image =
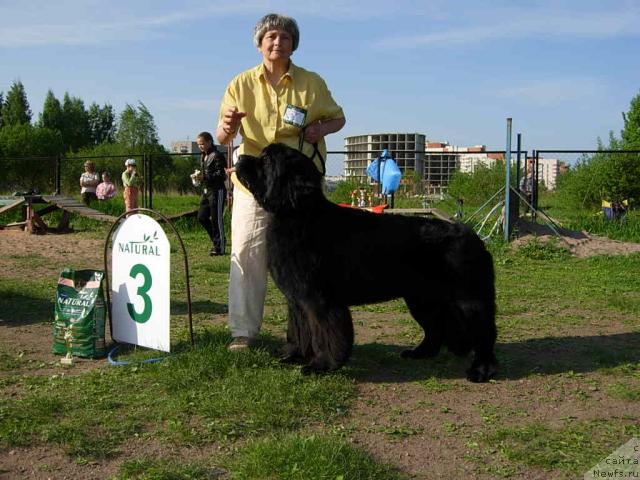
<point x="144" y="247"/>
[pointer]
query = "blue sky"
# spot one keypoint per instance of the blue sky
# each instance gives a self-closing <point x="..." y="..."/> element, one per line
<point x="453" y="70"/>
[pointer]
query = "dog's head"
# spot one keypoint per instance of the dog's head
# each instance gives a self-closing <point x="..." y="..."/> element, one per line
<point x="281" y="179"/>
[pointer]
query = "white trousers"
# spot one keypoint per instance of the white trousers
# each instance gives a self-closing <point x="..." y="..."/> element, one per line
<point x="248" y="271"/>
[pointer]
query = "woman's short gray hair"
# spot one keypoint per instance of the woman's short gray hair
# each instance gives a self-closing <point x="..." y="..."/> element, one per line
<point x="273" y="21"/>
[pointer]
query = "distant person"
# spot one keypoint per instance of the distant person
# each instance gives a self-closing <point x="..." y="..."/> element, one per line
<point x="526" y="185"/>
<point x="131" y="181"/>
<point x="89" y="180"/>
<point x="276" y="101"/>
<point x="107" y="189"/>
<point x="211" y="178"/>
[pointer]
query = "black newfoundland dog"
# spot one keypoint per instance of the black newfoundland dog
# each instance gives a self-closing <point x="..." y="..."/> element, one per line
<point x="325" y="257"/>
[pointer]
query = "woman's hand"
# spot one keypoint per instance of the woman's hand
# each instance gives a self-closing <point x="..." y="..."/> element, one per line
<point x="231" y="120"/>
<point x="229" y="125"/>
<point x="314" y="132"/>
<point x="320" y="128"/>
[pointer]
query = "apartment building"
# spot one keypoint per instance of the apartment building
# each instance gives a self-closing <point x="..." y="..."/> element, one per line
<point x="436" y="165"/>
<point x="548" y="171"/>
<point x="405" y="148"/>
<point x="184" y="146"/>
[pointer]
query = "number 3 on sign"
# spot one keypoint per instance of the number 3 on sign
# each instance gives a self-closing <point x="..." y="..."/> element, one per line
<point x="142" y="317"/>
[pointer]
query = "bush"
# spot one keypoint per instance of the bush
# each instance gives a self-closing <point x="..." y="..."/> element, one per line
<point x="477" y="187"/>
<point x="602" y="176"/>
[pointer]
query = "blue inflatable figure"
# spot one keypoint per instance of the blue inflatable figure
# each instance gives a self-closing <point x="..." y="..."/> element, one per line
<point x="389" y="172"/>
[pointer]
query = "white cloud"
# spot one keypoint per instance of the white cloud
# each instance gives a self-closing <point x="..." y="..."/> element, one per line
<point x="98" y="22"/>
<point x="554" y="91"/>
<point x="33" y="23"/>
<point x="526" y="23"/>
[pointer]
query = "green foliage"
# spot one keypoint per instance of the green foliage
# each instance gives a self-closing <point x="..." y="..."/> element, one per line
<point x="342" y="191"/>
<point x="177" y="169"/>
<point x="537" y="250"/>
<point x="15" y="110"/>
<point x="631" y="130"/>
<point x="76" y="132"/>
<point x="170" y="173"/>
<point x="627" y="230"/>
<point x="611" y="176"/>
<point x="583" y="185"/>
<point x="101" y="123"/>
<point x="136" y="128"/>
<point x="478" y="186"/>
<point x="28" y="173"/>
<point x="1" y="106"/>
<point x="607" y="175"/>
<point x="52" y="116"/>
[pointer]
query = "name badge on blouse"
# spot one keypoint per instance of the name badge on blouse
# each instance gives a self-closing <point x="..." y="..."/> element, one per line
<point x="295" y="116"/>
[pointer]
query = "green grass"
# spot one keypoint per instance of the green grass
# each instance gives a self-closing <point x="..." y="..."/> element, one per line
<point x="591" y="220"/>
<point x="148" y="468"/>
<point x="260" y="419"/>
<point x="572" y="448"/>
<point x="207" y="394"/>
<point x="302" y="457"/>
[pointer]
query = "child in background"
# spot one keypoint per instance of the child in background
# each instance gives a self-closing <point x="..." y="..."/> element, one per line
<point x="131" y="181"/>
<point x="106" y="190"/>
<point x="88" y="182"/>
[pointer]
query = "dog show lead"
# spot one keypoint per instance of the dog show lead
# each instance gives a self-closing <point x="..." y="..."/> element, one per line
<point x="272" y="102"/>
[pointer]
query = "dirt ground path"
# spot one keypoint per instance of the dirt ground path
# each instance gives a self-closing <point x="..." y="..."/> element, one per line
<point x="424" y="426"/>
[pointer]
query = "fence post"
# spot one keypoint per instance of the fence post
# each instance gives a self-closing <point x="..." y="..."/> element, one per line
<point x="507" y="190"/>
<point x="150" y="180"/>
<point x="145" y="171"/>
<point x="58" y="174"/>
<point x="517" y="184"/>
<point x="535" y="185"/>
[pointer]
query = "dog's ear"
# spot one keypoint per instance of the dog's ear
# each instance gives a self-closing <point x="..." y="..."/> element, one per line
<point x="251" y="174"/>
<point x="292" y="180"/>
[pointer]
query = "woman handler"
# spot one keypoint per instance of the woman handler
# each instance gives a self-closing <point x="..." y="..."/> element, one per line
<point x="275" y="101"/>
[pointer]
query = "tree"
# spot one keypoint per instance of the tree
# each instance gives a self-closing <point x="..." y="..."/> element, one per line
<point x="631" y="130"/>
<point x="25" y="140"/>
<point x="606" y="175"/>
<point x="1" y="105"/>
<point x="52" y="116"/>
<point x="137" y="129"/>
<point x="101" y="123"/>
<point x="76" y="132"/>
<point x="15" y="110"/>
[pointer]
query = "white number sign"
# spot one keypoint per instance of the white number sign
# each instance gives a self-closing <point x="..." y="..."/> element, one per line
<point x="140" y="283"/>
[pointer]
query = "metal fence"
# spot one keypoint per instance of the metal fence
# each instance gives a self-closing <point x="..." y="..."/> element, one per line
<point x="170" y="171"/>
<point x="433" y="170"/>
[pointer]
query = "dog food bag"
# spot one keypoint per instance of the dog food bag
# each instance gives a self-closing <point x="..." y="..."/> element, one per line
<point x="79" y="325"/>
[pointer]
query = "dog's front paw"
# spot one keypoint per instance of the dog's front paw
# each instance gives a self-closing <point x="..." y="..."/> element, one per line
<point x="482" y="372"/>
<point x="420" y="352"/>
<point x="309" y="370"/>
<point x="320" y="364"/>
<point x="290" y="354"/>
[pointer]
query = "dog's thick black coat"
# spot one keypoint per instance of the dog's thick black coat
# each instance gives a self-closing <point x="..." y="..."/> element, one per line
<point x="325" y="257"/>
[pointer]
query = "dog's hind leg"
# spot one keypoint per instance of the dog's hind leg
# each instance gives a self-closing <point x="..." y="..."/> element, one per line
<point x="431" y="315"/>
<point x="331" y="337"/>
<point x="298" y="346"/>
<point x="481" y="323"/>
